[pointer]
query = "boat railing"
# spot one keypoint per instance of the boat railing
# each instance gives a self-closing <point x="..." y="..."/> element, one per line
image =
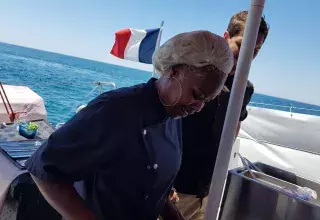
<point x="290" y="108"/>
<point x="76" y="107"/>
<point x="100" y="84"/>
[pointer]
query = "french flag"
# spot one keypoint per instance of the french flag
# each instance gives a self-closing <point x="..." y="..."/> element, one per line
<point x="135" y="45"/>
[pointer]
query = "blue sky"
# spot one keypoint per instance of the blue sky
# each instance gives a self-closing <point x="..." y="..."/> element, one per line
<point x="285" y="67"/>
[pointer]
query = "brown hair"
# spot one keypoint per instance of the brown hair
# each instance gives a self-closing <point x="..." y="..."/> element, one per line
<point x="238" y="21"/>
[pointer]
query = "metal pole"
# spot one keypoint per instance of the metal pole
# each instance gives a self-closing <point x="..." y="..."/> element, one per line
<point x="158" y="44"/>
<point x="233" y="113"/>
<point x="100" y="88"/>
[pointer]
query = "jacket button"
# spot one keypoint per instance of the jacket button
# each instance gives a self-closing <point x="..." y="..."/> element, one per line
<point x="144" y="132"/>
<point x="146" y="196"/>
<point x="148" y="167"/>
<point x="155" y="166"/>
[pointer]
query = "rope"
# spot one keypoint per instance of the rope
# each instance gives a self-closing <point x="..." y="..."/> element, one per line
<point x="4" y="103"/>
<point x="12" y="114"/>
<point x="5" y="95"/>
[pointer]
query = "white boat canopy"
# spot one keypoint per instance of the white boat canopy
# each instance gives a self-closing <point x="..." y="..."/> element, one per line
<point x="296" y="131"/>
<point x="24" y="100"/>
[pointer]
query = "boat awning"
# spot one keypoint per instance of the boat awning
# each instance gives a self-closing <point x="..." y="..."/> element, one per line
<point x="297" y="131"/>
<point x="23" y="99"/>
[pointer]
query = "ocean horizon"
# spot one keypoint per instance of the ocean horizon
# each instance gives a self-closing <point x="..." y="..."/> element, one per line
<point x="65" y="81"/>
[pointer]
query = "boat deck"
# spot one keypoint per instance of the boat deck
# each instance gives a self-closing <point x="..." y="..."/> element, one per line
<point x="18" y="148"/>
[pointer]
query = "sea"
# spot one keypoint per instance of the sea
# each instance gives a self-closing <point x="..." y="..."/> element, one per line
<point x="66" y="82"/>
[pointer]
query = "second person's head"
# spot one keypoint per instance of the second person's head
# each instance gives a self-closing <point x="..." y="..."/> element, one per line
<point x="235" y="31"/>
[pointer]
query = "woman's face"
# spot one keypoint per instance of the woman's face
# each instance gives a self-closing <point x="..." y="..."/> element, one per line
<point x="186" y="89"/>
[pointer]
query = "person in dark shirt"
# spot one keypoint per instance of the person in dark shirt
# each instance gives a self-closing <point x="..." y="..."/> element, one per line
<point x="202" y="131"/>
<point x="124" y="147"/>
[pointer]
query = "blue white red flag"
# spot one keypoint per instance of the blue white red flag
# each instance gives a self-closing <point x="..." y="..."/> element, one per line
<point x="135" y="45"/>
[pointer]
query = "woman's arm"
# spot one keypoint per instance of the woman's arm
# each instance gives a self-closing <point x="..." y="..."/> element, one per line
<point x="73" y="153"/>
<point x="65" y="199"/>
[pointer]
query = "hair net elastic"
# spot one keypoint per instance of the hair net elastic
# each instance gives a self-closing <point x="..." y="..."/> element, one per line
<point x="196" y="48"/>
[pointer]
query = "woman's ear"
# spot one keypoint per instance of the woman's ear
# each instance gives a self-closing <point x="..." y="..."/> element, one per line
<point x="226" y="35"/>
<point x="174" y="72"/>
<point x="178" y="72"/>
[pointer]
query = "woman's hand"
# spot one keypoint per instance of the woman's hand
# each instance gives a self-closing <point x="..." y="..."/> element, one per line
<point x="173" y="196"/>
<point x="170" y="211"/>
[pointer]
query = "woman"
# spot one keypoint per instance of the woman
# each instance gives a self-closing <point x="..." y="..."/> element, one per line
<point x="125" y="145"/>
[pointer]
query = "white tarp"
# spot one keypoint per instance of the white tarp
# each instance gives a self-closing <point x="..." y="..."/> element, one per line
<point x="297" y="131"/>
<point x="276" y="138"/>
<point x="23" y="99"/>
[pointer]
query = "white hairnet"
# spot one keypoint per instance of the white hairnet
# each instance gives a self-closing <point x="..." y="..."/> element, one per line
<point x="196" y="48"/>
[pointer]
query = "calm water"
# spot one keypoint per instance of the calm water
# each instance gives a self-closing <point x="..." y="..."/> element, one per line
<point x="64" y="82"/>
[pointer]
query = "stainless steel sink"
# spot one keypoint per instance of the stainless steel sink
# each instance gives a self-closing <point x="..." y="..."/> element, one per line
<point x="246" y="198"/>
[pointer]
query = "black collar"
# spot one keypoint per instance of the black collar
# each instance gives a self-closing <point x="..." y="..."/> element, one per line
<point x="154" y="111"/>
<point x="229" y="82"/>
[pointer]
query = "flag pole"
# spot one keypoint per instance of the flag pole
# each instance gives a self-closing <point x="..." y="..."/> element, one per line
<point x="234" y="107"/>
<point x="158" y="44"/>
